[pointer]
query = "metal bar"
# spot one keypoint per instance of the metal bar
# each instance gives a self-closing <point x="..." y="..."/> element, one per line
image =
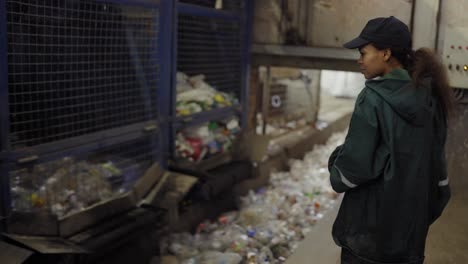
<point x="167" y="17"/>
<point x="305" y="52"/>
<point x="173" y="81"/>
<point x="154" y="52"/>
<point x="144" y="3"/>
<point x="85" y="149"/>
<point x="98" y="138"/>
<point x="305" y="63"/>
<point x="265" y="98"/>
<point x="246" y="32"/>
<point x="438" y="24"/>
<point x="412" y="16"/>
<point x="5" y="204"/>
<point x="190" y="9"/>
<point x="4" y="111"/>
<point x="316" y="99"/>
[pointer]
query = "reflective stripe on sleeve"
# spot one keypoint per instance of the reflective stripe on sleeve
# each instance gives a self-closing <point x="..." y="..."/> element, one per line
<point x="444" y="182"/>
<point x="346" y="181"/>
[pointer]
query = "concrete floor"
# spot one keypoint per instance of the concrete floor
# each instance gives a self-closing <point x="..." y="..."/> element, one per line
<point x="447" y="242"/>
<point x="318" y="246"/>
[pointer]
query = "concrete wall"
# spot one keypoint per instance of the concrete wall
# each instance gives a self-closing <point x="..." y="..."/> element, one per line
<point x="334" y="22"/>
<point x="320" y="23"/>
<point x="453" y="14"/>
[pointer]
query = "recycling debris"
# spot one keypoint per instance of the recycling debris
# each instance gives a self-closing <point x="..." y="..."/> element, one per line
<point x="194" y="95"/>
<point x="279" y="126"/>
<point x="270" y="222"/>
<point x="201" y="142"/>
<point x="64" y="186"/>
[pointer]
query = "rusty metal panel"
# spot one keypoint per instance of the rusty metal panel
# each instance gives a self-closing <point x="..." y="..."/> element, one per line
<point x="333" y="22"/>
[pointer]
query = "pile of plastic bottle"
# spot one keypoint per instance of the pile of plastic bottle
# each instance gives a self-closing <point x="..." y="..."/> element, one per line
<point x="201" y="142"/>
<point x="271" y="221"/>
<point x="64" y="186"/>
<point x="194" y="95"/>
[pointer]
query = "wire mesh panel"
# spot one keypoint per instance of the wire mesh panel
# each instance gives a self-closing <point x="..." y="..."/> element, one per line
<point x="73" y="183"/>
<point x="211" y="47"/>
<point x="77" y="67"/>
<point x="209" y="64"/>
<point x="231" y="5"/>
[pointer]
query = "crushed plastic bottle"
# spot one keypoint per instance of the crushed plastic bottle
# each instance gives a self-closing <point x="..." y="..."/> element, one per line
<point x="271" y="221"/>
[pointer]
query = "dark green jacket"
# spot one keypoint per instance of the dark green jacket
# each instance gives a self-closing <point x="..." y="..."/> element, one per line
<point x="392" y="169"/>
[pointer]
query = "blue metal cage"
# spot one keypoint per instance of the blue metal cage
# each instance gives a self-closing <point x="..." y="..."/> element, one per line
<point x="79" y="78"/>
<point x="211" y="46"/>
<point x="63" y="184"/>
<point x="231" y="5"/>
<point x="77" y="67"/>
<point x="84" y="79"/>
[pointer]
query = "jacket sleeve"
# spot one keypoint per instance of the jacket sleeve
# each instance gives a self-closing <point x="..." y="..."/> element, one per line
<point x="441" y="190"/>
<point x="354" y="162"/>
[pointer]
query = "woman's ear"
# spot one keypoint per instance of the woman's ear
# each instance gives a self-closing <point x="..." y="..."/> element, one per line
<point x="387" y="54"/>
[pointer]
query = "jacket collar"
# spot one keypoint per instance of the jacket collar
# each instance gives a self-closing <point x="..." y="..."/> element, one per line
<point x="397" y="74"/>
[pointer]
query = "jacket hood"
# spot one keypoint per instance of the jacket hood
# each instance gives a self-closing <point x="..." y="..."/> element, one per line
<point x="397" y="90"/>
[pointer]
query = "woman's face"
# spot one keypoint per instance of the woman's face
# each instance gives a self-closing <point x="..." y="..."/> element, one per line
<point x="373" y="62"/>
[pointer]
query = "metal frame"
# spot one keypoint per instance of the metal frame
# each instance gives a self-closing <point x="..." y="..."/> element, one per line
<point x="4" y="118"/>
<point x="4" y="110"/>
<point x="173" y="95"/>
<point x="94" y="141"/>
<point x="167" y="31"/>
<point x="247" y="22"/>
<point x="143" y="3"/>
<point x="191" y="9"/>
<point x="305" y="57"/>
<point x="35" y="155"/>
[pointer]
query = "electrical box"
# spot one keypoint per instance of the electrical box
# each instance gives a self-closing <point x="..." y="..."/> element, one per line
<point x="455" y="56"/>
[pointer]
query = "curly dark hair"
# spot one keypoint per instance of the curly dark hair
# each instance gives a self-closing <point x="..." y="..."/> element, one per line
<point x="422" y="63"/>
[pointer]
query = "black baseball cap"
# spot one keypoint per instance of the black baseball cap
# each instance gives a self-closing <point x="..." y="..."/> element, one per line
<point x="387" y="31"/>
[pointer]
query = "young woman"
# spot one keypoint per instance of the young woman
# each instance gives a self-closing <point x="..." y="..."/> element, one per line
<point x="392" y="165"/>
